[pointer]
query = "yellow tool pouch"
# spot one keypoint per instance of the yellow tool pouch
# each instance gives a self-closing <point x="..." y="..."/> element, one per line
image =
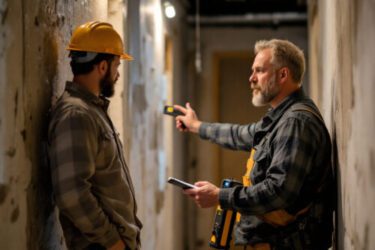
<point x="224" y="221"/>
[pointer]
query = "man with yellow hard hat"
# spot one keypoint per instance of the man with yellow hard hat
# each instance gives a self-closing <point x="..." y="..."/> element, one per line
<point x="91" y="180"/>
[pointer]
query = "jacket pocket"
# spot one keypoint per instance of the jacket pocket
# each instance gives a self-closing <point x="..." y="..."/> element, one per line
<point x="107" y="150"/>
<point x="261" y="164"/>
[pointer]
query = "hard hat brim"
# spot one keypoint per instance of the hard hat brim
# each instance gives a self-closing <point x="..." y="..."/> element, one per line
<point x="126" y="57"/>
<point x="122" y="56"/>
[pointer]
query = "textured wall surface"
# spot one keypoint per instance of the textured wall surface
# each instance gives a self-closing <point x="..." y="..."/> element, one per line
<point x="155" y="146"/>
<point x="342" y="79"/>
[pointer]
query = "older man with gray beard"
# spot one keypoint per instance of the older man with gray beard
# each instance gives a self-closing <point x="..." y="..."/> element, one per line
<point x="286" y="199"/>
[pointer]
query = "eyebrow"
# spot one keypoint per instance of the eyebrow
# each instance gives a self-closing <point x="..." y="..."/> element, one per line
<point x="257" y="68"/>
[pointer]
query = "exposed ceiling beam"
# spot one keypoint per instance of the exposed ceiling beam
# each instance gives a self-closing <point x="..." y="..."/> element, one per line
<point x="267" y="18"/>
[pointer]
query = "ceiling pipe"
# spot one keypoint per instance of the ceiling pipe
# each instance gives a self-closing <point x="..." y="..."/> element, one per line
<point x="272" y="18"/>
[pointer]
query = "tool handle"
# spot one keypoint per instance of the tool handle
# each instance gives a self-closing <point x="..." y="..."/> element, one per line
<point x="170" y="110"/>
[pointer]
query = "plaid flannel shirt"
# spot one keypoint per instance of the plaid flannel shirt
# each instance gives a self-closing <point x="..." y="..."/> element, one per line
<point x="293" y="152"/>
<point x="91" y="181"/>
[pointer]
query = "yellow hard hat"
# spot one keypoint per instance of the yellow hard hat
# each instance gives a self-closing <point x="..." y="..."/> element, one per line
<point x="97" y="37"/>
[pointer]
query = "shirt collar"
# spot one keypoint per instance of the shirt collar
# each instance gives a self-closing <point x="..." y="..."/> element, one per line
<point x="81" y="92"/>
<point x="274" y="114"/>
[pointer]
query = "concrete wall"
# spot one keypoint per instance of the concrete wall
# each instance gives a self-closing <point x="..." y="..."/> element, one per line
<point x="33" y="71"/>
<point x="342" y="36"/>
<point x="34" y="66"/>
<point x="155" y="147"/>
<point x="204" y="97"/>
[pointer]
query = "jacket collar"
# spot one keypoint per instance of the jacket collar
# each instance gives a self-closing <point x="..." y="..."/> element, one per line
<point x="274" y="114"/>
<point x="81" y="92"/>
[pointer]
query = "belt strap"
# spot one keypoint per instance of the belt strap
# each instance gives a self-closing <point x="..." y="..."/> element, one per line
<point x="258" y="246"/>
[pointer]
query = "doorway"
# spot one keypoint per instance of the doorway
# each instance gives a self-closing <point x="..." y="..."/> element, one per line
<point x="233" y="70"/>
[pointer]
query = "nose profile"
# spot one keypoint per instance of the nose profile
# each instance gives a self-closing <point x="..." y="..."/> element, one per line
<point x="252" y="79"/>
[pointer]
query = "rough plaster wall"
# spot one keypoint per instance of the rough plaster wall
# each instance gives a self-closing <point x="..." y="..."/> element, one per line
<point x="3" y="48"/>
<point x="343" y="43"/>
<point x="116" y="11"/>
<point x="15" y="167"/>
<point x="145" y="133"/>
<point x="204" y="155"/>
<point x="33" y="68"/>
<point x="145" y="122"/>
<point x="172" y="218"/>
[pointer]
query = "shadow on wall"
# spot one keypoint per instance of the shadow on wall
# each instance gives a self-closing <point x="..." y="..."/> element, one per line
<point x="42" y="219"/>
<point x="337" y="236"/>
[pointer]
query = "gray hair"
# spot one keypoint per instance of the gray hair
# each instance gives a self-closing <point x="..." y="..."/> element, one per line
<point x="284" y="54"/>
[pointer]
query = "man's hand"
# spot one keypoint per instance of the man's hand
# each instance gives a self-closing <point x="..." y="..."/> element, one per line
<point x="119" y="245"/>
<point x="188" y="122"/>
<point x="205" y="195"/>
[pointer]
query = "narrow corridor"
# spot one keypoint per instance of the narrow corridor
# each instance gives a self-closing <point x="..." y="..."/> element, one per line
<point x="197" y="51"/>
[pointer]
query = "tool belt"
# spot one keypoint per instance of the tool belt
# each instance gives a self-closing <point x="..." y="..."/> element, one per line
<point x="296" y="231"/>
<point x="258" y="246"/>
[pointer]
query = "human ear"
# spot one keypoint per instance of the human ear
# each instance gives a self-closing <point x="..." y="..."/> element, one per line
<point x="103" y="67"/>
<point x="284" y="74"/>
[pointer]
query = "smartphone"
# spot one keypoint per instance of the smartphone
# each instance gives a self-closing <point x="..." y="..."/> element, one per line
<point x="179" y="183"/>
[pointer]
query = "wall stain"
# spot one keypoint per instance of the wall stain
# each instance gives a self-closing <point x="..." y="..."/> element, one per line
<point x="3" y="12"/>
<point x="372" y="163"/>
<point x="366" y="240"/>
<point x="23" y="134"/>
<point x="352" y="96"/>
<point x="159" y="201"/>
<point x="50" y="58"/>
<point x="11" y="152"/>
<point x="139" y="98"/>
<point x="15" y="214"/>
<point x="16" y="103"/>
<point x="3" y="192"/>
<point x="36" y="21"/>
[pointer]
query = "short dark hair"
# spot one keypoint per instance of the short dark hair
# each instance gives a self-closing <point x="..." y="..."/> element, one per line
<point x="87" y="67"/>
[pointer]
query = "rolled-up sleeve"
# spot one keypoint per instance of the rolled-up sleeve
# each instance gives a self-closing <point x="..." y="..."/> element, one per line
<point x="73" y="148"/>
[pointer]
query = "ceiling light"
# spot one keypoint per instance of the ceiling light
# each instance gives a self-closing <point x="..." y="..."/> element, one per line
<point x="169" y="10"/>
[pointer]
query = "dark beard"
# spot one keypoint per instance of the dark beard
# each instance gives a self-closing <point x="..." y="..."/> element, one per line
<point x="107" y="86"/>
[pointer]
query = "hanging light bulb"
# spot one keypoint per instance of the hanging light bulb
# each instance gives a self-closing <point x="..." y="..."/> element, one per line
<point x="169" y="10"/>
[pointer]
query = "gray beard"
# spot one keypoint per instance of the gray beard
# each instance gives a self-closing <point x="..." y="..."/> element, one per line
<point x="265" y="97"/>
